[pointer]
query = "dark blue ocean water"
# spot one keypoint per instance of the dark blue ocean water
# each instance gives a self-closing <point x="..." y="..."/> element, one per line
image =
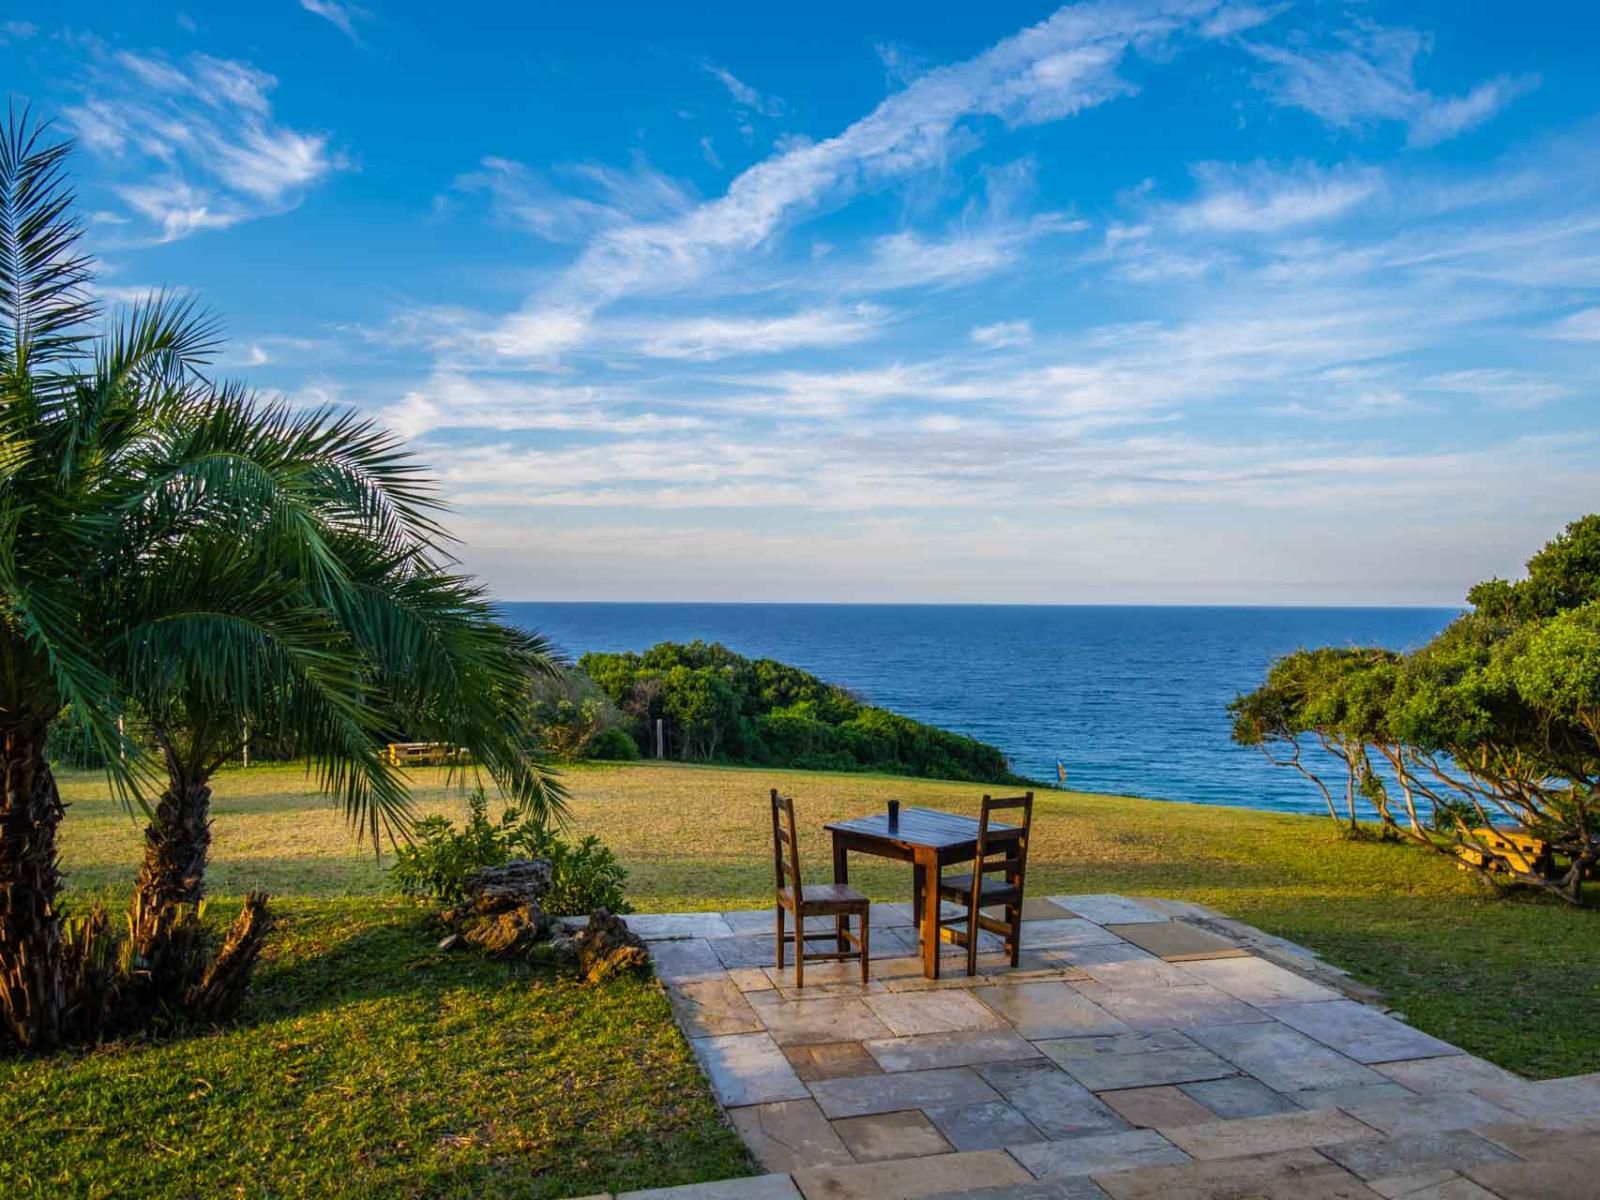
<point x="1132" y="699"/>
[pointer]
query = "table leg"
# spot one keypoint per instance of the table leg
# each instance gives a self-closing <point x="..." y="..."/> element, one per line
<point x="929" y="864"/>
<point x="841" y="874"/>
<point x="916" y="898"/>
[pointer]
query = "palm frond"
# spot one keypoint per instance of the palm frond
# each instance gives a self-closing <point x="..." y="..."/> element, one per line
<point x="45" y="308"/>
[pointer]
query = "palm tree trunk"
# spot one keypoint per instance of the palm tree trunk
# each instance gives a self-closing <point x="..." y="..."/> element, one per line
<point x="177" y="844"/>
<point x="32" y="990"/>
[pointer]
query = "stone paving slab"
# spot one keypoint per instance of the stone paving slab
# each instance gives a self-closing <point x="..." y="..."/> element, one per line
<point x="663" y="926"/>
<point x="1129" y="1060"/>
<point x="831" y="1060"/>
<point x="908" y="1013"/>
<point x="963" y="1049"/>
<point x="1176" y="941"/>
<point x="863" y="1095"/>
<point x="789" y="1134"/>
<point x="909" y="1178"/>
<point x="1157" y="1107"/>
<point x="688" y="961"/>
<point x="1539" y="1100"/>
<point x="748" y="1068"/>
<point x="745" y="950"/>
<point x="1140" y="973"/>
<point x="991" y="1126"/>
<point x="1354" y="1094"/>
<point x="1053" y="1101"/>
<point x="801" y="1022"/>
<point x="1109" y="909"/>
<point x="1172" y="1007"/>
<point x="757" y="1187"/>
<point x="1237" y="1097"/>
<point x="1300" y="1174"/>
<point x="1049" y="1010"/>
<point x="1558" y="1179"/>
<point x="1098" y="1152"/>
<point x="1380" y="1157"/>
<point x="1086" y="957"/>
<point x="1077" y="1187"/>
<point x="1256" y="981"/>
<point x="1362" y="1033"/>
<point x="1284" y="1059"/>
<point x="1429" y="1114"/>
<point x="1065" y="932"/>
<point x="884" y="1136"/>
<point x="708" y="1007"/>
<point x="1265" y="1135"/>
<point x="1452" y="1073"/>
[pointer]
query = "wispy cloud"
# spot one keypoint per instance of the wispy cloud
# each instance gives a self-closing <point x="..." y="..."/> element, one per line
<point x="1258" y="199"/>
<point x="17" y="31"/>
<point x="598" y="197"/>
<point x="745" y="96"/>
<point x="709" y="338"/>
<point x="1050" y="71"/>
<point x="192" y="143"/>
<point x="342" y="15"/>
<point x="1002" y="334"/>
<point x="1583" y="326"/>
<point x="1368" y="74"/>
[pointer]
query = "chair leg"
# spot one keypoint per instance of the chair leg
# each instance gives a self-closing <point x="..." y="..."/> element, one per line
<point x="1014" y="916"/>
<point x="972" y="931"/>
<point x="799" y="951"/>
<point x="865" y="947"/>
<point x="780" y="937"/>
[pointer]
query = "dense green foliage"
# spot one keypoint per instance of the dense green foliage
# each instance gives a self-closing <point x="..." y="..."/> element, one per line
<point x="717" y="706"/>
<point x="1493" y="723"/>
<point x="576" y="720"/>
<point x="436" y="863"/>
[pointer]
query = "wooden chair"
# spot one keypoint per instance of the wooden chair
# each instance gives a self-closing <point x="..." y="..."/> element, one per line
<point x="1001" y="851"/>
<point x="837" y="900"/>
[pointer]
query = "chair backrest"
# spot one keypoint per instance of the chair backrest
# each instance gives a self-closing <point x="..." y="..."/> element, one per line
<point x="785" y="844"/>
<point x="1013" y="847"/>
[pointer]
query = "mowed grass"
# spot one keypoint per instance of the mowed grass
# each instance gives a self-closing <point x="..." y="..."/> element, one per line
<point x="1516" y="980"/>
<point x="367" y="1064"/>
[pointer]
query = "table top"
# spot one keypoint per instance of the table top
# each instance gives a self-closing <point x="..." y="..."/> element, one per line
<point x="919" y="827"/>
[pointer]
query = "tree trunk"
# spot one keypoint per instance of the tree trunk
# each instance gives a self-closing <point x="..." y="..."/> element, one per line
<point x="32" y="990"/>
<point x="220" y="990"/>
<point x="177" y="843"/>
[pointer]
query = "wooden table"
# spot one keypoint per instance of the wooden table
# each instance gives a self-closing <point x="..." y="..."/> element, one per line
<point x="929" y="840"/>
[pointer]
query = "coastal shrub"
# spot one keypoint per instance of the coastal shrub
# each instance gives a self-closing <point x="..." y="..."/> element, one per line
<point x="1490" y="729"/>
<point x="715" y="705"/>
<point x="435" y="865"/>
<point x="572" y="716"/>
<point x="611" y="745"/>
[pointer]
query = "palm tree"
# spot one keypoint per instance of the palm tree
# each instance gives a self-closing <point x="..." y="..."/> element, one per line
<point x="328" y="622"/>
<point x="220" y="563"/>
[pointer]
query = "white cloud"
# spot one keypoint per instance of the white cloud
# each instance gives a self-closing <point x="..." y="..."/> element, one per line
<point x="608" y="197"/>
<point x="1258" y="199"/>
<point x="1003" y="334"/>
<point x="17" y="31"/>
<point x="1369" y="74"/>
<point x="1049" y="71"/>
<point x="1581" y="326"/>
<point x="341" y="14"/>
<point x="709" y="338"/>
<point x="193" y="146"/>
<point x="1500" y="387"/>
<point x="743" y="94"/>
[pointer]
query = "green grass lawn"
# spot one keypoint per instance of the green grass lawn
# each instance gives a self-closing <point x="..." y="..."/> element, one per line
<point x="367" y="1063"/>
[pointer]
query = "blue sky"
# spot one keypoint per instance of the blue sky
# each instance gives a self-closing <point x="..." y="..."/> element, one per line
<point x="1144" y="301"/>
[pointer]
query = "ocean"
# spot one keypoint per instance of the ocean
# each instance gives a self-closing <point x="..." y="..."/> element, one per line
<point x="1131" y="700"/>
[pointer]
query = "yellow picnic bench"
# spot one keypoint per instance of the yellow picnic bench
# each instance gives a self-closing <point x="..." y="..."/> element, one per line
<point x="1507" y="850"/>
<point x="423" y="754"/>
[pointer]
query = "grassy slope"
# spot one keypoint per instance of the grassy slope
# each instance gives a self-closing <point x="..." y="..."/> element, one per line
<point x="1517" y="981"/>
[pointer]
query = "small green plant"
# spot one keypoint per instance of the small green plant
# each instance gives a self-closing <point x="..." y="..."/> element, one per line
<point x="612" y="745"/>
<point x="436" y="864"/>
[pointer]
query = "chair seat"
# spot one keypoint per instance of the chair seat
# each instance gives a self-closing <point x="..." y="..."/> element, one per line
<point x="995" y="890"/>
<point x="827" y="898"/>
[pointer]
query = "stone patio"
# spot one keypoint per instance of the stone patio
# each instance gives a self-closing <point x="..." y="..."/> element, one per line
<point x="1143" y="1050"/>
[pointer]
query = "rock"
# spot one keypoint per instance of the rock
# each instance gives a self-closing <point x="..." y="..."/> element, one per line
<point x="451" y="941"/>
<point x="607" y="947"/>
<point x="502" y="914"/>
<point x="564" y="949"/>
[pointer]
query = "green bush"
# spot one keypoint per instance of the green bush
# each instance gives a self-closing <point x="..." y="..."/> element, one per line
<point x="612" y="745"/>
<point x="439" y="859"/>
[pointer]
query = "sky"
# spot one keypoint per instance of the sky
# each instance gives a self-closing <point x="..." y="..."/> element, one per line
<point x="1144" y="301"/>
